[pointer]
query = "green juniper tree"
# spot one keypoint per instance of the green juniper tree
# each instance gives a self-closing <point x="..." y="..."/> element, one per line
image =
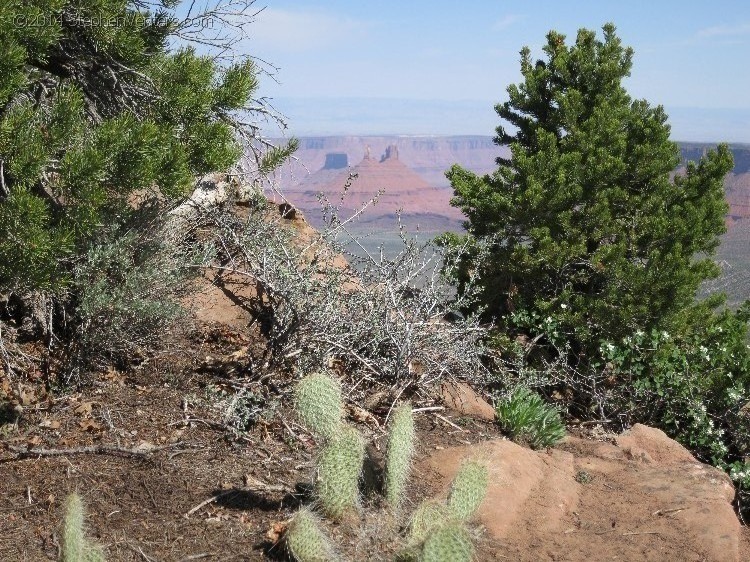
<point x="98" y="109"/>
<point x="595" y="249"/>
<point x="590" y="229"/>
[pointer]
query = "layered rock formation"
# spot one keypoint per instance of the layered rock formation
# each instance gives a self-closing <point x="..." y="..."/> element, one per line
<point x="641" y="496"/>
<point x="431" y="156"/>
<point x="397" y="187"/>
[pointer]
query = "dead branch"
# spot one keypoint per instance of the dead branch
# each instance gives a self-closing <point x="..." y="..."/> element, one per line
<point x="23" y="453"/>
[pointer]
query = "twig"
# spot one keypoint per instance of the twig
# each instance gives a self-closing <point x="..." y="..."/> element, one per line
<point x="641" y="533"/>
<point x="668" y="511"/>
<point x="150" y="495"/>
<point x="289" y="429"/>
<point x="196" y="556"/>
<point x="428" y="409"/>
<point x="449" y="422"/>
<point x="208" y="423"/>
<point x="22" y="453"/>
<point x="139" y="550"/>
<point x="212" y="499"/>
<point x="593" y="422"/>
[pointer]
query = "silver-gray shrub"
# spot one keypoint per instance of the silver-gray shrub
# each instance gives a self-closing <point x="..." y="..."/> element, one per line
<point x="383" y="319"/>
<point x="127" y="289"/>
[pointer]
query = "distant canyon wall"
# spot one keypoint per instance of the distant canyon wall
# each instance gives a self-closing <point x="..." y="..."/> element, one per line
<point x="414" y="179"/>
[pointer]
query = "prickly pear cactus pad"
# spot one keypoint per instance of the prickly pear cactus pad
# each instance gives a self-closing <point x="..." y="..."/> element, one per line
<point x="399" y="454"/>
<point x="450" y="543"/>
<point x="306" y="541"/>
<point x="339" y="469"/>
<point x="318" y="402"/>
<point x="468" y="490"/>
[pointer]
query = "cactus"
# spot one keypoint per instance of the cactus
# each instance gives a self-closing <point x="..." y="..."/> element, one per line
<point x="75" y="547"/>
<point x="468" y="490"/>
<point x="429" y="515"/>
<point x="450" y="543"/>
<point x="319" y="405"/>
<point x="399" y="454"/>
<point x="339" y="469"/>
<point x="306" y="541"/>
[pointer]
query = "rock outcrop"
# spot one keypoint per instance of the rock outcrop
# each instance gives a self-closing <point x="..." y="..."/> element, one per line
<point x="401" y="190"/>
<point x="640" y="497"/>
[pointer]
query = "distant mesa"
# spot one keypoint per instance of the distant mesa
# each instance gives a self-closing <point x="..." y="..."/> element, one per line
<point x="411" y="170"/>
<point x="401" y="191"/>
<point x="391" y="152"/>
<point x="336" y="161"/>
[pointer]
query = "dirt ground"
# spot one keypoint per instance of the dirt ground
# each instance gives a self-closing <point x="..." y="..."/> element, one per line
<point x="165" y="479"/>
<point x="162" y="477"/>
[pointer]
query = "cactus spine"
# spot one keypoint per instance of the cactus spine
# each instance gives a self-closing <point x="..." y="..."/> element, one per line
<point x="468" y="490"/>
<point x="399" y="453"/>
<point x="319" y="405"/>
<point x="76" y="547"/>
<point x="339" y="469"/>
<point x="437" y="531"/>
<point x="306" y="541"/>
<point x="429" y="515"/>
<point x="450" y="543"/>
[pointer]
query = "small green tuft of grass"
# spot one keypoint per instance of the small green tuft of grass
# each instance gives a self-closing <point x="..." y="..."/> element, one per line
<point x="528" y="419"/>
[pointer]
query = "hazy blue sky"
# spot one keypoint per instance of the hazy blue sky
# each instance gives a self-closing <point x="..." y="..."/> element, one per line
<point x="436" y="67"/>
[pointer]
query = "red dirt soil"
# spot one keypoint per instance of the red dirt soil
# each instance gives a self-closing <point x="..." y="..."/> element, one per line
<point x="165" y="479"/>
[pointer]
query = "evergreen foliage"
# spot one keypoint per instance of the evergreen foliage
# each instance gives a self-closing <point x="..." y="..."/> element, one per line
<point x="597" y="250"/>
<point x="94" y="107"/>
<point x="106" y="121"/>
<point x="590" y="229"/>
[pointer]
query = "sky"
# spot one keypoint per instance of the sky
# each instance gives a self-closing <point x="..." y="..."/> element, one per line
<point x="437" y="67"/>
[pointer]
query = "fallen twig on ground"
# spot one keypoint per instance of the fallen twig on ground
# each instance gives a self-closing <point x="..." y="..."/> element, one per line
<point x="212" y="499"/>
<point x="23" y="453"/>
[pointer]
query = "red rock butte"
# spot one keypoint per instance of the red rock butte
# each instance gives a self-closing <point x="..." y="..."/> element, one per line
<point x="421" y="205"/>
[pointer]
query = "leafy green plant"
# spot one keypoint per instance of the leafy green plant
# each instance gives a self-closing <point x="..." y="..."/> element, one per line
<point x="528" y="419"/>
